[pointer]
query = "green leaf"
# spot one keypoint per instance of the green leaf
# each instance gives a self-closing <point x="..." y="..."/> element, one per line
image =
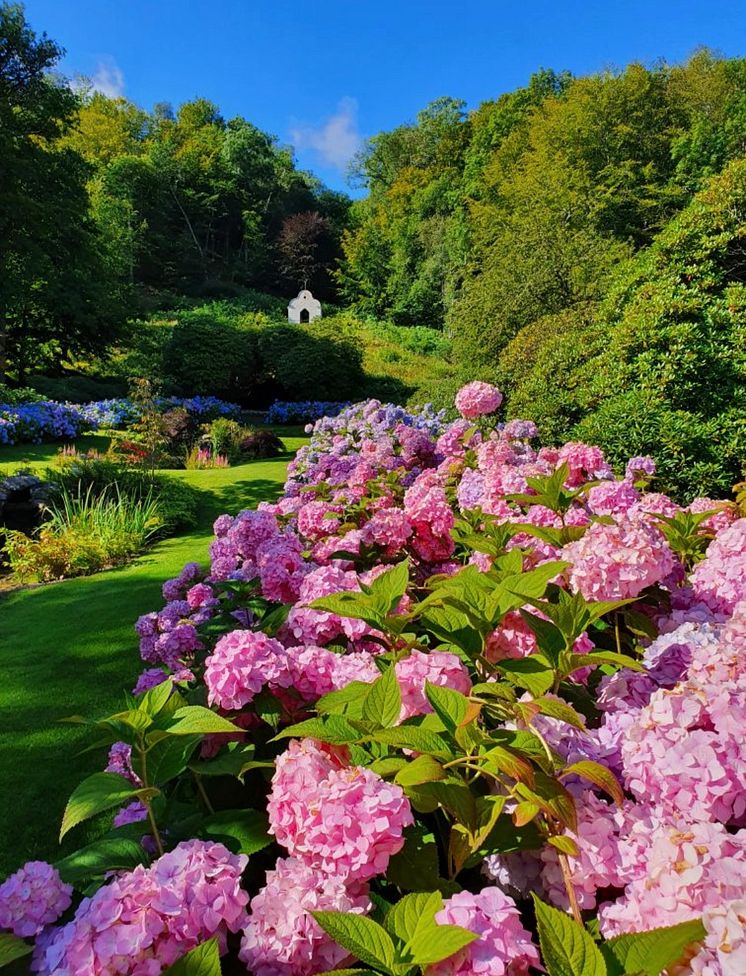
<point x="167" y="758"/>
<point x="564" y="844"/>
<point x="556" y="708"/>
<point x="450" y="706"/>
<point x="204" y="960"/>
<point x="439" y="942"/>
<point x="414" y="913"/>
<point x="268" y="708"/>
<point x="598" y="775"/>
<point x="336" y="702"/>
<point x="415" y="738"/>
<point x="365" y="939"/>
<point x="388" y="588"/>
<point x="566" y="948"/>
<point x="97" y="793"/>
<point x="529" y="673"/>
<point x="198" y="720"/>
<point x="608" y="657"/>
<point x="232" y="760"/>
<point x="423" y="769"/>
<point x="351" y="604"/>
<point x="416" y="867"/>
<point x="12" y="948"/>
<point x="327" y="728"/>
<point x="243" y="831"/>
<point x="107" y="854"/>
<point x="155" y="698"/>
<point x="382" y="704"/>
<point x="656" y="950"/>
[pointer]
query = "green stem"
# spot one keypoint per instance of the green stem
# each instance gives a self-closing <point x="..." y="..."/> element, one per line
<point x="203" y="793"/>
<point x="146" y="802"/>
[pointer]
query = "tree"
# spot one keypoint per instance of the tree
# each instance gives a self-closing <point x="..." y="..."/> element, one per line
<point x="56" y="292"/>
<point x="298" y="243"/>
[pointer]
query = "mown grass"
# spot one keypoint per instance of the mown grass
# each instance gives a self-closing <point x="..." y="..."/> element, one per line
<point x="69" y="648"/>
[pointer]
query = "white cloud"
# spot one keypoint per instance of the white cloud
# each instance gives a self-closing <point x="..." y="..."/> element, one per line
<point x="108" y="79"/>
<point x="336" y="139"/>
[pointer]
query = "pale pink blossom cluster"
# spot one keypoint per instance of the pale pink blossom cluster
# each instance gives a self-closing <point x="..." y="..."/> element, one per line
<point x="477" y="398"/>
<point x="617" y="561"/>
<point x="341" y="819"/>
<point x="438" y="668"/>
<point x="143" y="921"/>
<point x="281" y="937"/>
<point x="243" y="662"/>
<point x="32" y="898"/>
<point x="720" y="579"/>
<point x="504" y="947"/>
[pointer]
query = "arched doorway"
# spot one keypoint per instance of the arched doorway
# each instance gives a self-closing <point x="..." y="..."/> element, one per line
<point x="305" y="316"/>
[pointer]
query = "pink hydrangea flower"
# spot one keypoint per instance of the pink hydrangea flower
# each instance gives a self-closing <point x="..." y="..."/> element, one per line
<point x="681" y="871"/>
<point x="389" y="528"/>
<point x="586" y="463"/>
<point x="720" y="579"/>
<point x="437" y="667"/>
<point x="32" y="898"/>
<point x="243" y="662"/>
<point x="315" y="671"/>
<point x="504" y="947"/>
<point x="146" y="919"/>
<point x="281" y="937"/>
<point x="344" y="820"/>
<point x="724" y="951"/>
<point x="640" y="468"/>
<point x="614" y="562"/>
<point x="477" y="398"/>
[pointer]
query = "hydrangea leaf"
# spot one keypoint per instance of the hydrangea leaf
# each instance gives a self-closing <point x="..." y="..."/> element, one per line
<point x="566" y="948"/>
<point x="657" y="950"/>
<point x="97" y="793"/>
<point x="198" y="720"/>
<point x="382" y="704"/>
<point x="94" y="860"/>
<point x="12" y="948"/>
<point x="438" y="942"/>
<point x="413" y="914"/>
<point x="365" y="939"/>
<point x="243" y="831"/>
<point x="203" y="960"/>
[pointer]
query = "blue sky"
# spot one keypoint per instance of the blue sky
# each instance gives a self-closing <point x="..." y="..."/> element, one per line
<point x="324" y="74"/>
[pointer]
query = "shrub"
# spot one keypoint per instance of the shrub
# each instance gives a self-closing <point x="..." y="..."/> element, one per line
<point x="224" y="437"/>
<point x="79" y="475"/>
<point x="85" y="532"/>
<point x="694" y="455"/>
<point x="204" y="355"/>
<point x="261" y="444"/>
<point x="320" y="361"/>
<point x="454" y="700"/>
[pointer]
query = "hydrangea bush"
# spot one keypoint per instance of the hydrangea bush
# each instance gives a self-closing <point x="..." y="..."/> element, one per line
<point x="43" y="420"/>
<point x="454" y="704"/>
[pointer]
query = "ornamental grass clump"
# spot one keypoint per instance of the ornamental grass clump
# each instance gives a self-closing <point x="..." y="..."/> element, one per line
<point x="454" y="704"/>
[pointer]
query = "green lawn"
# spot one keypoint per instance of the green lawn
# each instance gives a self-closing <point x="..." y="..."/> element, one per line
<point x="70" y="648"/>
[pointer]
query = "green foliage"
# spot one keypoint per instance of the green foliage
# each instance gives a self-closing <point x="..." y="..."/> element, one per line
<point x="84" y="533"/>
<point x="60" y="293"/>
<point x="203" y="960"/>
<point x="80" y="474"/>
<point x="322" y="361"/>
